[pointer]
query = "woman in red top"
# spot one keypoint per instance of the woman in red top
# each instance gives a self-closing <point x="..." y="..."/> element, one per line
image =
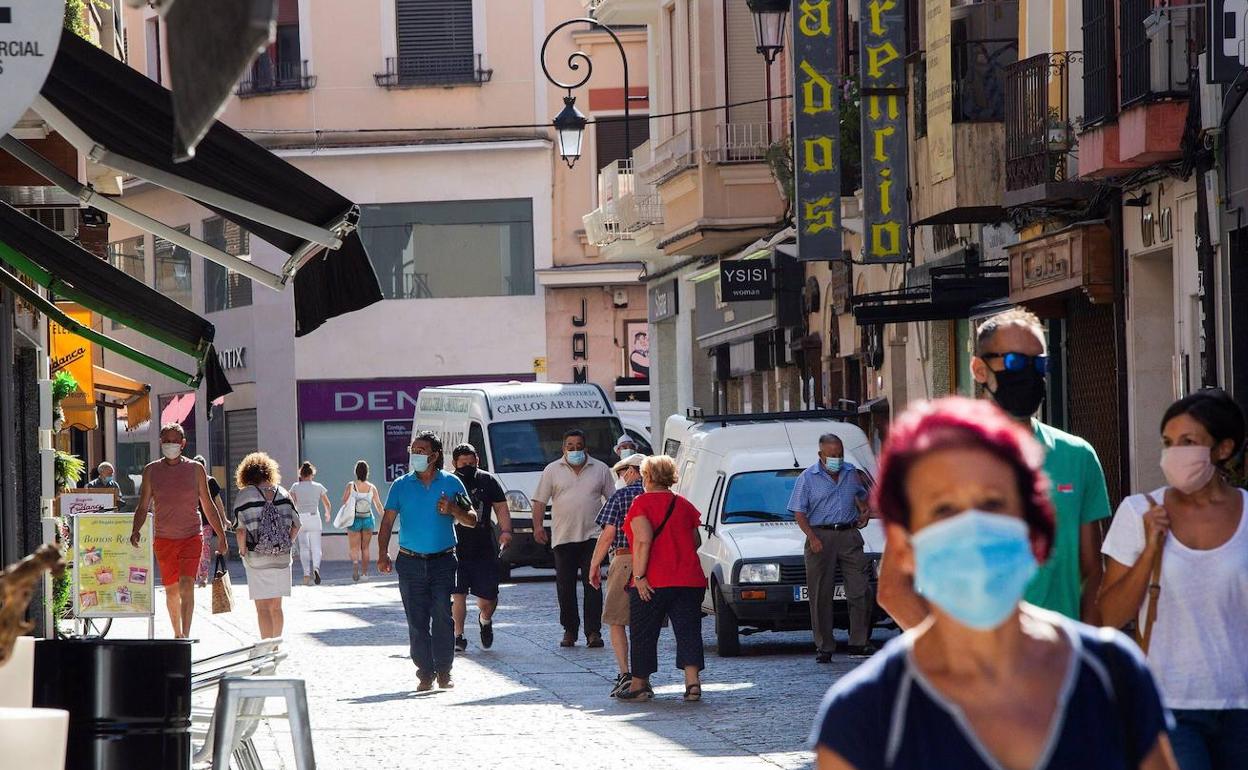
<point x="667" y="580"/>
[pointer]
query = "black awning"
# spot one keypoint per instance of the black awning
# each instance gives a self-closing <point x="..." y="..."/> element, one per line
<point x="128" y="116"/>
<point x="71" y="272"/>
<point x="954" y="291"/>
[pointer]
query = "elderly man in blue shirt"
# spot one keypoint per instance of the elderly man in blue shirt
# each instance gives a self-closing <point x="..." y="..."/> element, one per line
<point x="428" y="502"/>
<point x="829" y="502"/>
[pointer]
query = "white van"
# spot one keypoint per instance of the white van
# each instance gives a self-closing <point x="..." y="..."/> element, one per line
<point x="517" y="429"/>
<point x="739" y="471"/>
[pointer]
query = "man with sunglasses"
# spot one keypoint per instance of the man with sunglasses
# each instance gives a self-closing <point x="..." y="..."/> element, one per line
<point x="1011" y="364"/>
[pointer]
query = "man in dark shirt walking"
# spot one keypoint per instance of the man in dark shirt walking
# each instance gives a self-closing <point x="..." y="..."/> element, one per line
<point x="479" y="569"/>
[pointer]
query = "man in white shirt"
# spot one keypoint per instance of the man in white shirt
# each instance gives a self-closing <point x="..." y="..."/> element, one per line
<point x="576" y="486"/>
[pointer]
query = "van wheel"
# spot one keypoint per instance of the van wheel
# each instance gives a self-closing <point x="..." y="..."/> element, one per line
<point x="727" y="633"/>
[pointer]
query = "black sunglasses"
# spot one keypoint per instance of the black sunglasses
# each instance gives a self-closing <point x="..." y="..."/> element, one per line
<point x="1018" y="362"/>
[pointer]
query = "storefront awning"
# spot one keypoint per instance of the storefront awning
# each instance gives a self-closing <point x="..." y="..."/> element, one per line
<point x="70" y="272"/>
<point x="120" y="119"/>
<point x="952" y="293"/>
<point x="112" y="390"/>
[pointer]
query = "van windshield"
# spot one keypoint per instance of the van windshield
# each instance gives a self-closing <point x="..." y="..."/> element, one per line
<point x="759" y="496"/>
<point x="526" y="446"/>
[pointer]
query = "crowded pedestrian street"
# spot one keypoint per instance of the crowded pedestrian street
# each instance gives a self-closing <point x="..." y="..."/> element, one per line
<point x="524" y="703"/>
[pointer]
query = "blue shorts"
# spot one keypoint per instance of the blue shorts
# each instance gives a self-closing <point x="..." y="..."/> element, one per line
<point x="363" y="524"/>
<point x="478" y="576"/>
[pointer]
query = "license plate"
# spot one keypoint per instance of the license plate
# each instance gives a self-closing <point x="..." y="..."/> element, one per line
<point x="802" y="594"/>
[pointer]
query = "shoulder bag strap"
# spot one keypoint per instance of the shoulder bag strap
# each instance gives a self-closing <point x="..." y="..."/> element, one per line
<point x="1144" y="635"/>
<point x="670" y="507"/>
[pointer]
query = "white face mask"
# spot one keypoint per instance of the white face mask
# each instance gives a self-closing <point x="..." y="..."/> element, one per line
<point x="171" y="451"/>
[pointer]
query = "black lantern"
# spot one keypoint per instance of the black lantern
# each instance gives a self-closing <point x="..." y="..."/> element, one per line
<point x="770" y="20"/>
<point x="570" y="126"/>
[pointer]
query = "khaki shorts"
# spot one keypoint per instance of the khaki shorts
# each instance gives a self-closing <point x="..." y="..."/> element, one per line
<point x="615" y="606"/>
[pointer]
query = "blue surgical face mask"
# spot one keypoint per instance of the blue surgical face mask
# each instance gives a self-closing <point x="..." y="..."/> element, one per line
<point x="833" y="464"/>
<point x="974" y="566"/>
<point x="418" y="463"/>
<point x="576" y="457"/>
<point x="626" y="453"/>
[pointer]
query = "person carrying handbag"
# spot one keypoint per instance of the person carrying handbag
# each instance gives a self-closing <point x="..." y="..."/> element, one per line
<point x="667" y="580"/>
<point x="1178" y="566"/>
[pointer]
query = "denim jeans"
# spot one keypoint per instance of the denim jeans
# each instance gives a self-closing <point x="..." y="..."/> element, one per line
<point x="1210" y="740"/>
<point x="425" y="586"/>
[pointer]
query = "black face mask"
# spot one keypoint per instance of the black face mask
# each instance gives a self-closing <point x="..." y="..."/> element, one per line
<point x="467" y="472"/>
<point x="1019" y="393"/>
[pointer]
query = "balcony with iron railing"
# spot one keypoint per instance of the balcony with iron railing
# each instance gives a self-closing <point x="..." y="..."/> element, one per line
<point x="270" y="76"/>
<point x="1041" y="161"/>
<point x="627" y="207"/>
<point x="433" y="71"/>
<point x="741" y="142"/>
<point x="1160" y="49"/>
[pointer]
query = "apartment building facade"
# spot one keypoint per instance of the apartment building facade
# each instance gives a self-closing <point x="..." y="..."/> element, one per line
<point x="435" y="120"/>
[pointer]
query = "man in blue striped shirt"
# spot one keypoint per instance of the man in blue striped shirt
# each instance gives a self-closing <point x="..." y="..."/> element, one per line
<point x="615" y="608"/>
<point x="829" y="502"/>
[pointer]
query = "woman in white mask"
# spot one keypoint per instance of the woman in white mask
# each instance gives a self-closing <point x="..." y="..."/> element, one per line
<point x="986" y="682"/>
<point x="1178" y="565"/>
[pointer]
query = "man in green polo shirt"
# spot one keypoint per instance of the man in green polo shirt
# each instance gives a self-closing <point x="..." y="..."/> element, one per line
<point x="1011" y="363"/>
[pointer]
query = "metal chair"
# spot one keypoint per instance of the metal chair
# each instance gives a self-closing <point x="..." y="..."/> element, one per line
<point x="240" y="703"/>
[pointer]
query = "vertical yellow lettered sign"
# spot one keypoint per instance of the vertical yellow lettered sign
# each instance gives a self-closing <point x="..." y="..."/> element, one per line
<point x="816" y="130"/>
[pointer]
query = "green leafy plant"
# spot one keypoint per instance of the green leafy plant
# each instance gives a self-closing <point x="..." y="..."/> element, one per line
<point x="76" y="16"/>
<point x="67" y="469"/>
<point x="780" y="159"/>
<point x="63" y="384"/>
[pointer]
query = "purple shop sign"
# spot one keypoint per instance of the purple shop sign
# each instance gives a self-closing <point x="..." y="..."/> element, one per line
<point x="380" y="399"/>
<point x="398" y="442"/>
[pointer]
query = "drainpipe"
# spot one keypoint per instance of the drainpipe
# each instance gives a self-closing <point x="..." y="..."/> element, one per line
<point x="1121" y="277"/>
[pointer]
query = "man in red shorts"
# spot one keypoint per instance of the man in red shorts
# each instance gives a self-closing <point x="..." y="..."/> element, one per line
<point x="177" y="488"/>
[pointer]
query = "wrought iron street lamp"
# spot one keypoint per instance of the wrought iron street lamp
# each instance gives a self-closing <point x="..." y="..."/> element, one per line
<point x="570" y="123"/>
<point x="570" y="128"/>
<point x="770" y="21"/>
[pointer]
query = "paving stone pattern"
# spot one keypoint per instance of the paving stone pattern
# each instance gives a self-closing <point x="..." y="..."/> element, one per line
<point x="525" y="703"/>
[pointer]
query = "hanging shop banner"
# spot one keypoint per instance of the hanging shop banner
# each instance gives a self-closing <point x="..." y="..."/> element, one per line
<point x="746" y="280"/>
<point x="111" y="578"/>
<point x="398" y="441"/>
<point x="816" y="130"/>
<point x="71" y="353"/>
<point x="1228" y="39"/>
<point x="884" y="161"/>
<point x="939" y="91"/>
<point x="30" y="33"/>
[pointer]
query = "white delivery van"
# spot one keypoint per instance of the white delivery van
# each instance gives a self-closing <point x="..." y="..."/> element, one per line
<point x="739" y="471"/>
<point x="517" y="429"/>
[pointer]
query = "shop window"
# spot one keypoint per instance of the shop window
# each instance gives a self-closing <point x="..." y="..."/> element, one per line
<point x="133" y="452"/>
<point x="223" y="287"/>
<point x="173" y="269"/>
<point x="451" y="248"/>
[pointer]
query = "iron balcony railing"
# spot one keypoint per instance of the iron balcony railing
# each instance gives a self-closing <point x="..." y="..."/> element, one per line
<point x="1039" y="134"/>
<point x="1160" y="50"/>
<point x="626" y="204"/>
<point x="669" y="157"/>
<point x="268" y="76"/>
<point x="433" y="70"/>
<point x="979" y="79"/>
<point x="742" y="142"/>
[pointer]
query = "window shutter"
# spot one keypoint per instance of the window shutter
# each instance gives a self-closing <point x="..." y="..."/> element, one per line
<point x="435" y="39"/>
<point x="609" y="136"/>
<point x="746" y="71"/>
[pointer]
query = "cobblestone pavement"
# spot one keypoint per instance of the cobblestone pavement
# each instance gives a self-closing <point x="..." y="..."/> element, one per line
<point x="525" y="703"/>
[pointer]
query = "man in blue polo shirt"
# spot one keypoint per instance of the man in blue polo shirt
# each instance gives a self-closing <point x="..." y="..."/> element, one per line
<point x="428" y="502"/>
<point x="829" y="502"/>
